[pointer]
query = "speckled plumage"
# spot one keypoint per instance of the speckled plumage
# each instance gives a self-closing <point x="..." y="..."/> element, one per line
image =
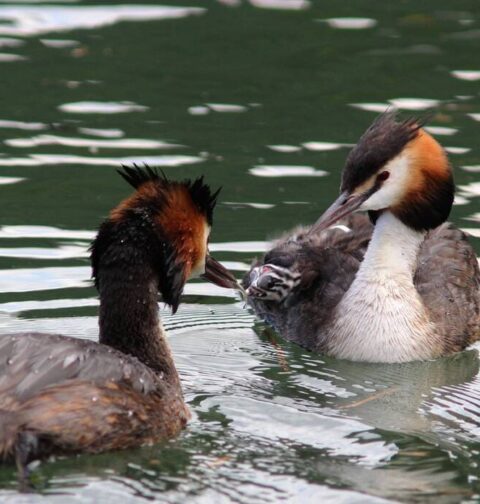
<point x="447" y="278"/>
<point x="327" y="263"/>
<point x="62" y="395"/>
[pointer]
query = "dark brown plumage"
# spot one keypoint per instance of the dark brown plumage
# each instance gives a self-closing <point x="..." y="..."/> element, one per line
<point x="61" y="395"/>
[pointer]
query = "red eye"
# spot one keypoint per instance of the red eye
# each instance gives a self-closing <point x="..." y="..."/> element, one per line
<point x="381" y="177"/>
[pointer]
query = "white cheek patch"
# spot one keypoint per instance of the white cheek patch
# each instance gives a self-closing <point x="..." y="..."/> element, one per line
<point x="199" y="267"/>
<point x="395" y="187"/>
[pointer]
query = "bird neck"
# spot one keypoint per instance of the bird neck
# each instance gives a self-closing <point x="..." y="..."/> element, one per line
<point x="393" y="250"/>
<point x="382" y="317"/>
<point x="129" y="319"/>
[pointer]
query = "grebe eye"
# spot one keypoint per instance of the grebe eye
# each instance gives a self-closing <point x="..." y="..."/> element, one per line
<point x="381" y="177"/>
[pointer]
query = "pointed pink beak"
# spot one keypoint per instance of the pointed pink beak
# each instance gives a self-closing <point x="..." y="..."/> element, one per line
<point x="344" y="205"/>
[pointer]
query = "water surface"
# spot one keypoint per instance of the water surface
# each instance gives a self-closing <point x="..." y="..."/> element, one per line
<point x="264" y="97"/>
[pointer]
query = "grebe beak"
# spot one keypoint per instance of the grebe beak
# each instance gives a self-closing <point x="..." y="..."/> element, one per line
<point x="219" y="275"/>
<point x="345" y="204"/>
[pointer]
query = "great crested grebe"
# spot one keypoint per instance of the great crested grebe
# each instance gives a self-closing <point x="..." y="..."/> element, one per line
<point x="61" y="395"/>
<point x="413" y="294"/>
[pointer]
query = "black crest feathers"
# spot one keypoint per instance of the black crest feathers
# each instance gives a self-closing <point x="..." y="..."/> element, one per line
<point x="200" y="192"/>
<point x="203" y="197"/>
<point x="136" y="176"/>
<point x="384" y="139"/>
<point x="134" y="234"/>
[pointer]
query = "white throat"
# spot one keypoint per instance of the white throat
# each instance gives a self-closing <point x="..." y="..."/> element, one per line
<point x="393" y="251"/>
<point x="381" y="318"/>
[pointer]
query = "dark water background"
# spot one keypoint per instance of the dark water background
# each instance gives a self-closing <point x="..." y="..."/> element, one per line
<point x="264" y="97"/>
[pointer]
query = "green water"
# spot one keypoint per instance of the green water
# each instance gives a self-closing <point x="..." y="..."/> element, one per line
<point x="236" y="90"/>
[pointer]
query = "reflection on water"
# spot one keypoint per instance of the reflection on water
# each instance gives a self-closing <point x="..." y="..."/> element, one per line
<point x="22" y="125"/>
<point x="441" y="130"/>
<point x="264" y="97"/>
<point x="123" y="143"/>
<point x="64" y="159"/>
<point x="351" y="23"/>
<point x="286" y="171"/>
<point x="29" y="20"/>
<point x="101" y="107"/>
<point x="468" y="75"/>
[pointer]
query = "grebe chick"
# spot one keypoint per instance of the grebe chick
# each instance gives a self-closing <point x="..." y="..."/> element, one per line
<point x="413" y="294"/>
<point x="61" y="395"/>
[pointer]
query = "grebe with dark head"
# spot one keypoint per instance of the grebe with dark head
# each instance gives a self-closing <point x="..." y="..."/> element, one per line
<point x="413" y="294"/>
<point x="61" y="395"/>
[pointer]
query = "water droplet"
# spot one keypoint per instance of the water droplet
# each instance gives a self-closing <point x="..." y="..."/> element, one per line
<point x="9" y="361"/>
<point x="130" y="413"/>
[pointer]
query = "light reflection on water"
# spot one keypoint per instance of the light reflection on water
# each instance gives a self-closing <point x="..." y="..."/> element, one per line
<point x="123" y="143"/>
<point x="71" y="159"/>
<point x="101" y="107"/>
<point x="235" y="93"/>
<point x="20" y="20"/>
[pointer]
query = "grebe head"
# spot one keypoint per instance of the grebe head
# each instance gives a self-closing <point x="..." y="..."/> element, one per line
<point x="271" y="282"/>
<point x="399" y="167"/>
<point x="165" y="224"/>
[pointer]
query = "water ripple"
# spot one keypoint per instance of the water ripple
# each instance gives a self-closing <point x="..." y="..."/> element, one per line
<point x="226" y="107"/>
<point x="286" y="171"/>
<point x="44" y="232"/>
<point x="10" y="58"/>
<point x="441" y="130"/>
<point x="281" y="4"/>
<point x="414" y="103"/>
<point x="61" y="252"/>
<point x="350" y="23"/>
<point x="22" y="125"/>
<point x="10" y="180"/>
<point x="102" y="132"/>
<point x="59" y="43"/>
<point x="123" y="143"/>
<point x="323" y="146"/>
<point x="284" y="148"/>
<point x="59" y="159"/>
<point x="39" y="20"/>
<point x="39" y="279"/>
<point x="93" y="107"/>
<point x="253" y="417"/>
<point x="11" y="42"/>
<point x="468" y="75"/>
